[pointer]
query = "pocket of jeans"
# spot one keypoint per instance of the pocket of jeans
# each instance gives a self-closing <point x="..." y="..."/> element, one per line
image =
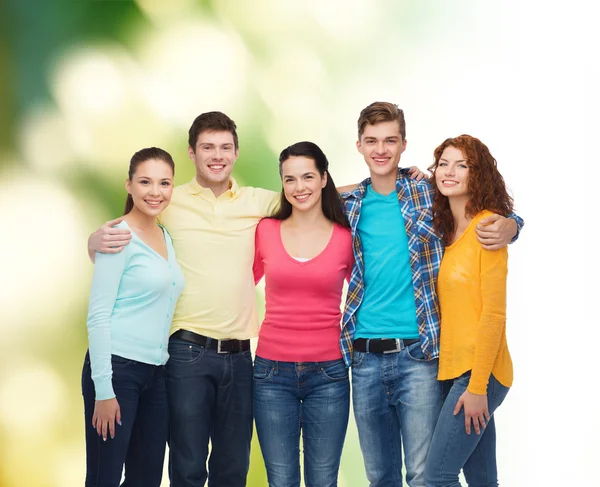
<point x="120" y="362"/>
<point x="415" y="353"/>
<point x="263" y="369"/>
<point x="184" y="352"/>
<point x="357" y="358"/>
<point x="335" y="372"/>
<point x="247" y="355"/>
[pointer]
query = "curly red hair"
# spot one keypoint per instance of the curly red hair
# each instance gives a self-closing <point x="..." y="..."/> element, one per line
<point x="486" y="186"/>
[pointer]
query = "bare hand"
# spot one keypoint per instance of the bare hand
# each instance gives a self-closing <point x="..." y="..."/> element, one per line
<point x="109" y="240"/>
<point x="476" y="410"/>
<point x="106" y="412"/>
<point x="496" y="232"/>
<point x="416" y="173"/>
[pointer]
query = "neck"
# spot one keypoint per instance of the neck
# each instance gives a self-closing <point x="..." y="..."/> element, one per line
<point x="140" y="220"/>
<point x="457" y="207"/>
<point x="384" y="184"/>
<point x="307" y="219"/>
<point x="217" y="188"/>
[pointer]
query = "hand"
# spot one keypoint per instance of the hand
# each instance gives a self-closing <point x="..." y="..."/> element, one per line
<point x="109" y="240"/>
<point x="416" y="173"/>
<point x="496" y="232"/>
<point x="476" y="410"/>
<point x="105" y="414"/>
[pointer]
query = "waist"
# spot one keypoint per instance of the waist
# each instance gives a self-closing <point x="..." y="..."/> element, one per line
<point x="221" y="346"/>
<point x="382" y="345"/>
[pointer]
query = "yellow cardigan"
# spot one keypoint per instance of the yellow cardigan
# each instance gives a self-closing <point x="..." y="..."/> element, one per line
<point x="471" y="288"/>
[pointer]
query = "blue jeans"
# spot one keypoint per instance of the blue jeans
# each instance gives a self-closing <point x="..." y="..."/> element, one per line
<point x="452" y="449"/>
<point x="397" y="399"/>
<point x="308" y="397"/>
<point x="210" y="398"/>
<point x="140" y="442"/>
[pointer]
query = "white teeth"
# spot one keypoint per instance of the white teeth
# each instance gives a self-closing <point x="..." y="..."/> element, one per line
<point x="216" y="167"/>
<point x="302" y="197"/>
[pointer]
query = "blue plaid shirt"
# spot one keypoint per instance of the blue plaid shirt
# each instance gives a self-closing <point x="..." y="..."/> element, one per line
<point x="425" y="253"/>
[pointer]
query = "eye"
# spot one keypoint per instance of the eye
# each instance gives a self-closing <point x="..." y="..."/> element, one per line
<point x="144" y="182"/>
<point x="228" y="148"/>
<point x="442" y="164"/>
<point x="166" y="183"/>
<point x="464" y="166"/>
<point x="309" y="176"/>
<point x="370" y="142"/>
<point x="205" y="148"/>
<point x="391" y="141"/>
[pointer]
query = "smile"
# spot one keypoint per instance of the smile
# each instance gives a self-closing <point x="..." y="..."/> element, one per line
<point x="447" y="182"/>
<point x="216" y="167"/>
<point x="302" y="197"/>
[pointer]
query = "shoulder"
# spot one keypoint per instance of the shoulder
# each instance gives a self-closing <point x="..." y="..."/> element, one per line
<point x="482" y="214"/>
<point x="267" y="225"/>
<point x="343" y="236"/>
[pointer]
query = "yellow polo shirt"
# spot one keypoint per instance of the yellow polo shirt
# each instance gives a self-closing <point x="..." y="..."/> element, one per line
<point x="214" y="242"/>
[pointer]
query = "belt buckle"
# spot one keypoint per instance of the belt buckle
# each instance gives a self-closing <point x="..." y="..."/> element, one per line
<point x="397" y="349"/>
<point x="219" y="347"/>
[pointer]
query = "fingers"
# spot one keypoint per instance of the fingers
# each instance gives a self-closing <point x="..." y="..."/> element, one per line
<point x="118" y="417"/>
<point x="492" y="247"/>
<point x="478" y="424"/>
<point x="104" y="429"/>
<point x="490" y="219"/>
<point x="468" y="424"/>
<point x="114" y="222"/>
<point x="111" y="428"/>
<point x="459" y="405"/>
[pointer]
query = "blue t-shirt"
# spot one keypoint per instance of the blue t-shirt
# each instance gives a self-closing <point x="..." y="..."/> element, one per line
<point x="388" y="307"/>
<point x="131" y="307"/>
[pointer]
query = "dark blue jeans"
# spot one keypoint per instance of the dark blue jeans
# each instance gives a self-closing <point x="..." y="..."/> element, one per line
<point x="452" y="449"/>
<point x="308" y="397"/>
<point x="210" y="398"/>
<point x="140" y="442"/>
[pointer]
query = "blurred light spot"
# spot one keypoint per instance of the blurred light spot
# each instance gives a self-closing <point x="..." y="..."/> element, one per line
<point x="44" y="260"/>
<point x="45" y="144"/>
<point x="347" y="22"/>
<point x="31" y="400"/>
<point x="160" y="12"/>
<point x="195" y="67"/>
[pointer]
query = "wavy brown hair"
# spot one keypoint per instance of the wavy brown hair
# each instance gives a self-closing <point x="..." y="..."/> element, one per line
<point x="486" y="186"/>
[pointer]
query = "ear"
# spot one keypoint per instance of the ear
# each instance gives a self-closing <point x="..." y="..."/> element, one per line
<point x="236" y="154"/>
<point x="191" y="153"/>
<point x="359" y="146"/>
<point x="324" y="181"/>
<point x="403" y="146"/>
<point x="128" y="186"/>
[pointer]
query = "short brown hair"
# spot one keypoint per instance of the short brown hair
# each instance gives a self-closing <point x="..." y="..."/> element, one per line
<point x="381" y="111"/>
<point x="211" y="122"/>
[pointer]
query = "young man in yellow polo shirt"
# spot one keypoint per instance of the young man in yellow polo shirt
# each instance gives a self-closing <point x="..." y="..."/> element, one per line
<point x="211" y="221"/>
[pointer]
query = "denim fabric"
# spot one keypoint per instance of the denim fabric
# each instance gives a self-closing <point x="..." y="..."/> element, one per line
<point x="210" y="398"/>
<point x="397" y="399"/>
<point x="308" y="398"/>
<point x="140" y="442"/>
<point x="452" y="449"/>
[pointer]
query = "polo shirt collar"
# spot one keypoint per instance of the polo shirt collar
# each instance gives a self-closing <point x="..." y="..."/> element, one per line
<point x="195" y="188"/>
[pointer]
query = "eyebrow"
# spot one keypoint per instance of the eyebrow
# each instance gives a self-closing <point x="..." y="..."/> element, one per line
<point x="148" y="177"/>
<point x="384" y="138"/>
<point x="305" y="174"/>
<point x="446" y="160"/>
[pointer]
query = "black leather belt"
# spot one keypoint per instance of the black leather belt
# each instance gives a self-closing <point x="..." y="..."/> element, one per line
<point x="221" y="346"/>
<point x="382" y="345"/>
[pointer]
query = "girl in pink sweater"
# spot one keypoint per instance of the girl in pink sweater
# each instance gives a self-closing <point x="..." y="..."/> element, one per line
<point x="300" y="380"/>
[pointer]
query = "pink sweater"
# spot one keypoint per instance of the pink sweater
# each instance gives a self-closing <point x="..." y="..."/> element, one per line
<point x="302" y="318"/>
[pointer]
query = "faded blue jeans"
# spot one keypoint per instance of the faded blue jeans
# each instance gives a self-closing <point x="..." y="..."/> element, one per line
<point x="312" y="398"/>
<point x="397" y="399"/>
<point x="452" y="449"/>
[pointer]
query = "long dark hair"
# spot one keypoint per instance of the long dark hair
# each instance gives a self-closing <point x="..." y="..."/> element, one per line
<point x="331" y="202"/>
<point x="485" y="186"/>
<point x="143" y="156"/>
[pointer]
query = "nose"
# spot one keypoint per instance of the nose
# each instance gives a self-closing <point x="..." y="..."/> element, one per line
<point x="380" y="148"/>
<point x="449" y="170"/>
<point x="218" y="154"/>
<point x="155" y="190"/>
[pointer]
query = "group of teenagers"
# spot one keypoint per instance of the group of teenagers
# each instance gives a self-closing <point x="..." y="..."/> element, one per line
<point x="173" y="308"/>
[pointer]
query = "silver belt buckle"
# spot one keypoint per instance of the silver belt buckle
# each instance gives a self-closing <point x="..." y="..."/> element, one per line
<point x="219" y="347"/>
<point x="397" y="349"/>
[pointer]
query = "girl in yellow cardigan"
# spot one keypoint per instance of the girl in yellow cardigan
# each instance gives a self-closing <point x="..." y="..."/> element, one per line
<point x="474" y="359"/>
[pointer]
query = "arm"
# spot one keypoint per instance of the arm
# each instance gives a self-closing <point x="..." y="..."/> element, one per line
<point x="108" y="240"/>
<point x="258" y="267"/>
<point x="105" y="285"/>
<point x="496" y="231"/>
<point x="491" y="327"/>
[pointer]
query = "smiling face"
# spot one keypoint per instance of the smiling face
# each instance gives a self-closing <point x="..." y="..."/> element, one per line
<point x="302" y="183"/>
<point x="452" y="173"/>
<point x="151" y="186"/>
<point x="382" y="145"/>
<point x="214" y="157"/>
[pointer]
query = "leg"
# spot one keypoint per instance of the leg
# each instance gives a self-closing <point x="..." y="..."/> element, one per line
<point x="376" y="421"/>
<point x="325" y="411"/>
<point x="146" y="455"/>
<point x="232" y="428"/>
<point x="191" y="396"/>
<point x="419" y="397"/>
<point x="105" y="459"/>
<point x="277" y="415"/>
<point x="452" y="448"/>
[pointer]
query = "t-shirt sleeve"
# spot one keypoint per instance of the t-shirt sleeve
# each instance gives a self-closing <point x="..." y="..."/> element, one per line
<point x="258" y="267"/>
<point x="494" y="269"/>
<point x="268" y="201"/>
<point x="108" y="271"/>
